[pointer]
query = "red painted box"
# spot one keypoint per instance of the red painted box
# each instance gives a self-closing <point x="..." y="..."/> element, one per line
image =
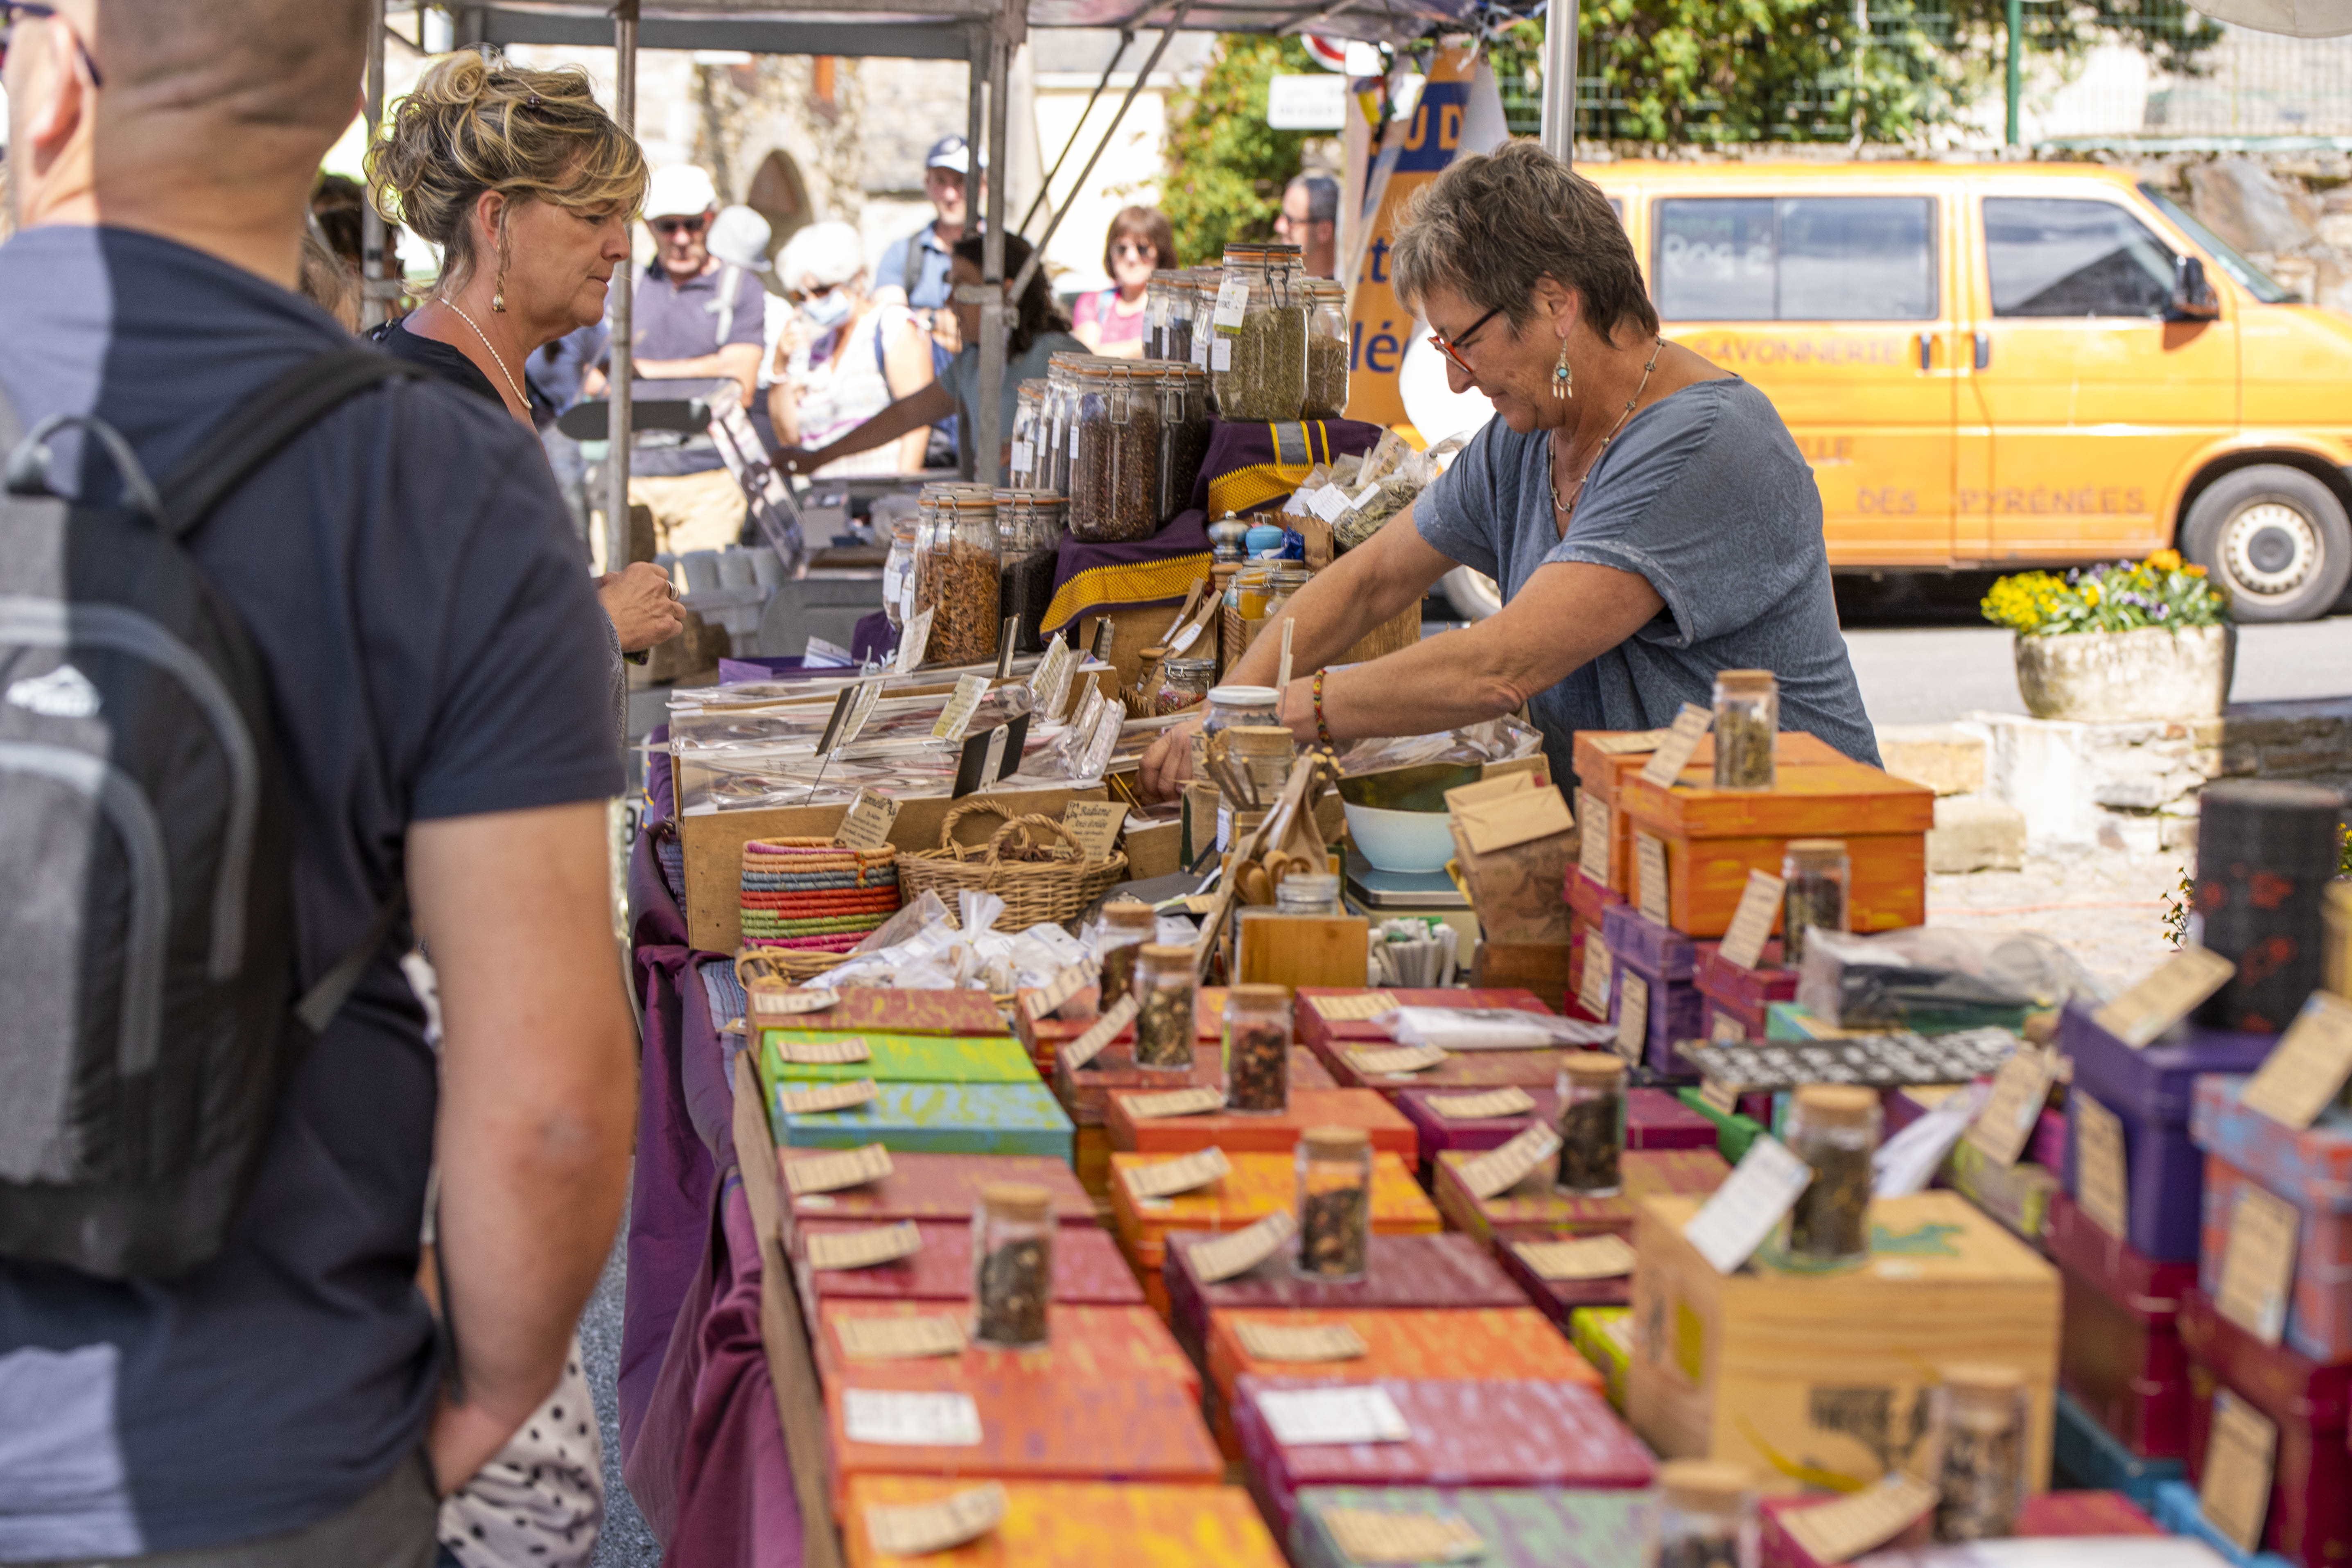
<point x="1314" y="1029"/>
<point x="1533" y="1212"/>
<point x="1237" y="1133"/>
<point x="1739" y="994"/>
<point x="934" y="1186"/>
<point x="1088" y="1269"/>
<point x="2310" y="1518"/>
<point x="2120" y="1354"/>
<point x="1654" y="1119"/>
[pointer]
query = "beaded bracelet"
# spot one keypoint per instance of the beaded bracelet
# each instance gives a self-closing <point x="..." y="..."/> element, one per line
<point x="1322" y="730"/>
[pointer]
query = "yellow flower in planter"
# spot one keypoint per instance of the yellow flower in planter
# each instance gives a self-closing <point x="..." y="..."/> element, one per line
<point x="2170" y="561"/>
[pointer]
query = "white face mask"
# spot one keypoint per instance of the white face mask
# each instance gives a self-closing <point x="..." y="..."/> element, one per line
<point x="828" y="310"/>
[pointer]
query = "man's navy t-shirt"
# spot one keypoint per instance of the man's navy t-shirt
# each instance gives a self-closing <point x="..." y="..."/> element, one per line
<point x="407" y="574"/>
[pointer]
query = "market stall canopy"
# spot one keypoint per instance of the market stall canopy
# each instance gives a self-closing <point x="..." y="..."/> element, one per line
<point x="1369" y="21"/>
<point x="937" y="28"/>
<point x="2297" y="18"/>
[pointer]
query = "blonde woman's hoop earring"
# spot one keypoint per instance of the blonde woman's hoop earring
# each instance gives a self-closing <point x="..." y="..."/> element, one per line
<point x="1563" y="380"/>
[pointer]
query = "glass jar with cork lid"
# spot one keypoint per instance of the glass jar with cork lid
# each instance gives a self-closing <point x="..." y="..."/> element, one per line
<point x="1183" y="684"/>
<point x="1257" y="1049"/>
<point x="1165" y="995"/>
<point x="1257" y="350"/>
<point x="1012" y="1265"/>
<point x="1127" y="925"/>
<point x="1592" y="1087"/>
<point x="1979" y="1414"/>
<point x="1706" y="1517"/>
<point x="1747" y="728"/>
<point x="1834" y="1128"/>
<point x="1335" y="1203"/>
<point x="1817" y="871"/>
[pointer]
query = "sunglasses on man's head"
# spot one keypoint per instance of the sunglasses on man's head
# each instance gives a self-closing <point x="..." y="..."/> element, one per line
<point x="14" y="11"/>
<point x="669" y="225"/>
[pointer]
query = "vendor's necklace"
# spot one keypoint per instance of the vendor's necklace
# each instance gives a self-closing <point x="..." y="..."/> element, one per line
<point x="498" y="361"/>
<point x="1658" y="346"/>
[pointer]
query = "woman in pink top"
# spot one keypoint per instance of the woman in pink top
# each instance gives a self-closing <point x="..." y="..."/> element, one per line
<point x="1111" y="321"/>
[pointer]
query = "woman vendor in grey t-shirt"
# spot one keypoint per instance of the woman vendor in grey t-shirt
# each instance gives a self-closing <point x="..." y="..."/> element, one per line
<point x="1646" y="515"/>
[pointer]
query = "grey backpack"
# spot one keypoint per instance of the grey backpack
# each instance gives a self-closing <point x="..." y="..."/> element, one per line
<point x="147" y="975"/>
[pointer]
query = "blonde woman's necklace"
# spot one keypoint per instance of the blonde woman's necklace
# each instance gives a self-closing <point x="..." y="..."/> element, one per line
<point x="1658" y="346"/>
<point x="498" y="360"/>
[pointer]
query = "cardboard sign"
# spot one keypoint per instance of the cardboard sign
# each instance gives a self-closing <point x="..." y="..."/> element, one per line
<point x="1376" y="1536"/>
<point x="1674" y="753"/>
<point x="1592" y="985"/>
<point x="1355" y="1007"/>
<point x="1484" y="1106"/>
<point x="1314" y="1417"/>
<point x="1593" y="852"/>
<point x="1633" y="1017"/>
<point x="1761" y="1189"/>
<point x="867" y="824"/>
<point x="1500" y="1169"/>
<point x="870" y="697"/>
<point x="824" y="1053"/>
<point x="899" y="1339"/>
<point x="831" y="1172"/>
<point x="1090" y="1045"/>
<point x="1578" y="1258"/>
<point x="2102" y="1182"/>
<point x="2258" y="1264"/>
<point x="2164" y="997"/>
<point x="1094" y="825"/>
<point x="2241" y="1456"/>
<point x="1650" y="878"/>
<point x="1498" y="814"/>
<point x="768" y="1003"/>
<point x="1837" y="1532"/>
<point x="962" y="703"/>
<point x="1049" y="682"/>
<point x="823" y="1097"/>
<point x="1243" y="1250"/>
<point x="830" y="742"/>
<point x="1174" y="1103"/>
<point x="902" y="1419"/>
<point x="864" y="1248"/>
<point x="917" y="1529"/>
<point x="2019" y="1090"/>
<point x="1751" y="923"/>
<point x="1301" y="1341"/>
<point x="1397" y="1059"/>
<point x="2303" y="1074"/>
<point x="1056" y="994"/>
<point x="1627" y="742"/>
<point x="1169" y="1177"/>
<point x="913" y="643"/>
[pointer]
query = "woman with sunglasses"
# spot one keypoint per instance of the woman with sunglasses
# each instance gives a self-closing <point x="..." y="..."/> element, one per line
<point x="844" y="359"/>
<point x="1111" y="321"/>
<point x="1647" y="516"/>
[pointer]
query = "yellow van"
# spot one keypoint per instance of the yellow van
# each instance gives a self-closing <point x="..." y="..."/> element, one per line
<point x="1999" y="364"/>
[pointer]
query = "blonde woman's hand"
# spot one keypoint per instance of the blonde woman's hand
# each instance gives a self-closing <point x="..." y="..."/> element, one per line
<point x="642" y="604"/>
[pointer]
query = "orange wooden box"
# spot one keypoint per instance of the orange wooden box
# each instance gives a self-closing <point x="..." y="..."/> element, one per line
<point x="1479" y="1341"/>
<point x="1533" y="1212"/>
<point x="1041" y="1035"/>
<point x="1714" y="837"/>
<point x="1079" y="1524"/>
<point x="1240" y="1135"/>
<point x="1602" y="775"/>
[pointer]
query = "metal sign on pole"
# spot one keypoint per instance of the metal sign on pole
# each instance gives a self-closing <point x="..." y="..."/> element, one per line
<point x="623" y="310"/>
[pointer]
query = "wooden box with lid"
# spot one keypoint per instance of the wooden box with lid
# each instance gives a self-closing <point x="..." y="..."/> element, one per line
<point x="1601" y="773"/>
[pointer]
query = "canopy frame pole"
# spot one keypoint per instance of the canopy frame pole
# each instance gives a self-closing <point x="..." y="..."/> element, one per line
<point x="1126" y="39"/>
<point x="623" y="307"/>
<point x="377" y="291"/>
<point x="988" y="418"/>
<point x="1560" y="80"/>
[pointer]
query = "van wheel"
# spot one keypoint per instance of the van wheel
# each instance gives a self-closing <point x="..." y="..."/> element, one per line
<point x="2276" y="538"/>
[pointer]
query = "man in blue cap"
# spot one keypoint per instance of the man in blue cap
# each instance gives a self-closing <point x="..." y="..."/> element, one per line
<point x="914" y="271"/>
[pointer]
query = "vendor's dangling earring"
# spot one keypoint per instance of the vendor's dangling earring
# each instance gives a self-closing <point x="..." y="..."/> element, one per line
<point x="1563" y="380"/>
<point x="499" y="293"/>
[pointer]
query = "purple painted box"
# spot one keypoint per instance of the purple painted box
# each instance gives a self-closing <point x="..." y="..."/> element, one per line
<point x="2151" y="1092"/>
<point x="1658" y="951"/>
<point x="1653" y="1119"/>
<point x="1559" y="1300"/>
<point x="1677" y="1012"/>
<point x="1519" y="1528"/>
<point x="1449" y="1270"/>
<point x="1465" y="1431"/>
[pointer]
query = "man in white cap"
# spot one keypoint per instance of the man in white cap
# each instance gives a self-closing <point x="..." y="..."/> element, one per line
<point x="740" y="237"/>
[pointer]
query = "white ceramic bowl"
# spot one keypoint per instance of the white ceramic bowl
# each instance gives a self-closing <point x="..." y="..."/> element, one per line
<point x="1401" y="840"/>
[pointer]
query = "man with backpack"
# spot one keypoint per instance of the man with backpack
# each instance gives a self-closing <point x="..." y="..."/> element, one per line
<point x="913" y="271"/>
<point x="296" y="657"/>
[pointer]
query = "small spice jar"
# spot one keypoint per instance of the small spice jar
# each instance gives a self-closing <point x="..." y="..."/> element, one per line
<point x="956" y="570"/>
<point x="1307" y="893"/>
<point x="1747" y="728"/>
<point x="1834" y="1128"/>
<point x="1257" y="1049"/>
<point x="1817" y="872"/>
<point x="1012" y="1265"/>
<point x="1979" y="1415"/>
<point x="1281" y="585"/>
<point x="1335" y="1203"/>
<point x="1706" y="1517"/>
<point x="1592" y="1087"/>
<point x="1228" y="706"/>
<point x="1183" y="683"/>
<point x="1127" y="925"/>
<point x="1262" y="754"/>
<point x="1163" y="1016"/>
<point x="1257" y="355"/>
<point x="1326" y="349"/>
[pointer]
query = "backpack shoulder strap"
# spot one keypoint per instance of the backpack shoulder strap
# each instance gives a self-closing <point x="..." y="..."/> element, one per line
<point x="911" y="271"/>
<point x="730" y="282"/>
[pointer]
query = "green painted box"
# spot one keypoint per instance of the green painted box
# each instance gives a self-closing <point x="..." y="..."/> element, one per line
<point x="899" y="1059"/>
<point x="937" y="1118"/>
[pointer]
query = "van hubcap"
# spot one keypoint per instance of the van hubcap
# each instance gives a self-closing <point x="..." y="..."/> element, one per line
<point x="2269" y="548"/>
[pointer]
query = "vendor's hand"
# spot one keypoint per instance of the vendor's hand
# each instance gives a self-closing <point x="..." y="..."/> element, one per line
<point x="1169" y="763"/>
<point x="642" y="604"/>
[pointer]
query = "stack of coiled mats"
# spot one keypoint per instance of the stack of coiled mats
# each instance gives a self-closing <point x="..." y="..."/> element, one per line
<point x="813" y="895"/>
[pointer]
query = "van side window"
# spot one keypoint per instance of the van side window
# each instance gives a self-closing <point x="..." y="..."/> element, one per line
<point x="1796" y="258"/>
<point x="2050" y="257"/>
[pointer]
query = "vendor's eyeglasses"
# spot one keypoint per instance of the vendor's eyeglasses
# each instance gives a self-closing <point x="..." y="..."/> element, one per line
<point x="14" y="11"/>
<point x="669" y="226"/>
<point x="1453" y="350"/>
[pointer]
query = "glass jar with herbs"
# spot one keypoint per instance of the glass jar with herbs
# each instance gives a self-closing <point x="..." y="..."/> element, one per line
<point x="1028" y="533"/>
<point x="1817" y="872"/>
<point x="899" y="569"/>
<point x="956" y="575"/>
<point x="1183" y="683"/>
<point x="1335" y="1203"/>
<point x="1592" y="1087"/>
<point x="1114" y="456"/>
<point x="1706" y="1517"/>
<point x="1012" y="1265"/>
<point x="1257" y="360"/>
<point x="1165" y="990"/>
<point x="1834" y="1128"/>
<point x="1263" y="754"/>
<point x="1326" y="349"/>
<point x="1281" y="583"/>
<point x="1257" y="1049"/>
<point x="1980" y="1414"/>
<point x="1747" y="728"/>
<point x="1184" y="431"/>
<point x="1127" y="925"/>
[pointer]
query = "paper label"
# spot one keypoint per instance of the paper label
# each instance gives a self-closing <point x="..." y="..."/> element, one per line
<point x="2258" y="1264"/>
<point x="1650" y="878"/>
<point x="914" y="641"/>
<point x="917" y="1529"/>
<point x="1095" y="824"/>
<point x="1751" y="923"/>
<point x="1200" y="346"/>
<point x="1353" y="1007"/>
<point x="1674" y="753"/>
<point x="1626" y="742"/>
<point x="816" y="651"/>
<point x="1761" y="1189"/>
<point x="1580" y="1257"/>
<point x="831" y="1172"/>
<point x="992" y="768"/>
<point x="1837" y="1532"/>
<point x="2101" y="1183"/>
<point x="868" y="823"/>
<point x="1314" y="1417"/>
<point x="1593" y="853"/>
<point x="1090" y="706"/>
<point x="768" y="1003"/>
<point x="1046" y="682"/>
<point x="1233" y="302"/>
<point x="1633" y="1015"/>
<point x="1045" y="1004"/>
<point x="824" y="1053"/>
<point x="826" y="1096"/>
<point x="1074" y="440"/>
<point x="1484" y="1106"/>
<point x="899" y="1338"/>
<point x="1221" y="353"/>
<point x="1726" y="1030"/>
<point x="904" y="1419"/>
<point x="1090" y="1045"/>
<point x="1398" y="1059"/>
<point x="2166" y="996"/>
<point x="864" y="1248"/>
<point x="2241" y="1456"/>
<point x="1300" y="1342"/>
<point x="1376" y="1536"/>
<point x="1592" y="985"/>
<point x="1328" y="503"/>
<point x="2019" y="1091"/>
<point x="1173" y="1102"/>
<point x="1500" y="1169"/>
<point x="1513" y="814"/>
<point x="870" y="697"/>
<point x="962" y="703"/>
<point x="1169" y="1177"/>
<point x="1243" y="1250"/>
<point x="2305" y="1072"/>
<point x="1364" y="497"/>
<point x="1907" y="1161"/>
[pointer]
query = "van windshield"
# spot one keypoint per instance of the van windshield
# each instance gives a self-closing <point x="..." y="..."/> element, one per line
<point x="2249" y="277"/>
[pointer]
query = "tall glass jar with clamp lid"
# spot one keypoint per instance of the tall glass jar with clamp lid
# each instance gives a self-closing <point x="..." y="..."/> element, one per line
<point x="1326" y="349"/>
<point x="1115" y="458"/>
<point x="1028" y="533"/>
<point x="1029" y="406"/>
<point x="1060" y="414"/>
<point x="1184" y="431"/>
<point x="1257" y="360"/>
<point x="956" y="575"/>
<point x="1167" y="335"/>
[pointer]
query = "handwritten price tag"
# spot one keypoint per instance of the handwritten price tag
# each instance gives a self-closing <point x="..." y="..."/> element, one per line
<point x="1090" y="1045"/>
<point x="1837" y="1532"/>
<point x="2258" y="1264"/>
<point x="2164" y="997"/>
<point x="868" y="822"/>
<point x="864" y="1248"/>
<point x="1751" y="923"/>
<point x="2304" y="1074"/>
<point x="1243" y="1250"/>
<point x="826" y="1096"/>
<point x="1379" y="1536"/>
<point x="1650" y="876"/>
<point x="1581" y="1258"/>
<point x="917" y="1529"/>
<point x="1761" y="1188"/>
<point x="1494" y="1103"/>
<point x="768" y="1002"/>
<point x="824" y="1053"/>
<point x="903" y="1419"/>
<point x="1169" y="1177"/>
<point x="2102" y="1182"/>
<point x="899" y="1339"/>
<point x="1301" y="1341"/>
<point x="1674" y="753"/>
<point x="832" y="1172"/>
<point x="1500" y="1169"/>
<point x="1593" y="852"/>
<point x="1396" y="1059"/>
<point x="1633" y="1017"/>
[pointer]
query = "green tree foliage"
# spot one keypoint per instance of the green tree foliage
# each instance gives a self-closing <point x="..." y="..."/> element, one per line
<point x="1227" y="167"/>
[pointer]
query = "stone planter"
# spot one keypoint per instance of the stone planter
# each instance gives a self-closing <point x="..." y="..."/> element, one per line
<point x="2152" y="673"/>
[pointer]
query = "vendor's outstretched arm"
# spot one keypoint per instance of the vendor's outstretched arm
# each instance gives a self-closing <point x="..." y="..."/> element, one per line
<point x="928" y="405"/>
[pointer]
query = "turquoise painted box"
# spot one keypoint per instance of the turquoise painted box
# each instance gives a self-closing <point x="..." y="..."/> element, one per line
<point x="898" y="1059"/>
<point x="1521" y="1528"/>
<point x="937" y="1118"/>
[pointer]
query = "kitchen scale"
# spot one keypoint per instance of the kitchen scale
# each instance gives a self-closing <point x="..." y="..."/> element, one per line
<point x="1395" y="895"/>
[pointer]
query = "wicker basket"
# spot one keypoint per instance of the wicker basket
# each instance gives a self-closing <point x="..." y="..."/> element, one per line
<point x="756" y="965"/>
<point x="1057" y="890"/>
